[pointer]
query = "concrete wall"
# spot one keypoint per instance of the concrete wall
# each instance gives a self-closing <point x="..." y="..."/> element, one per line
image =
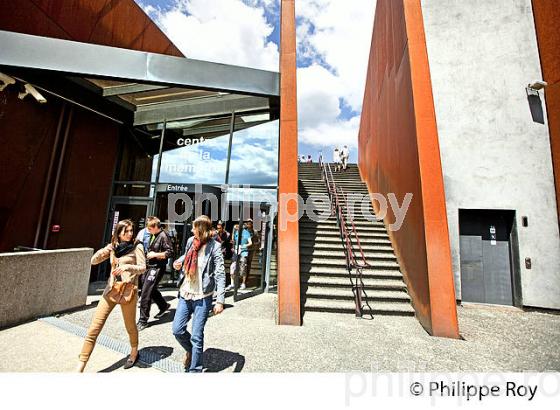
<point x="41" y="283"/>
<point x="399" y="154"/>
<point x="482" y="55"/>
<point x="547" y="15"/>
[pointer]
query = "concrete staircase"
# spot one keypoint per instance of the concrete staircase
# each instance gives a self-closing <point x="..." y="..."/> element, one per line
<point x="325" y="283"/>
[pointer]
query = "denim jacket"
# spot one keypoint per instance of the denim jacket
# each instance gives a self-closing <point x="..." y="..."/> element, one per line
<point x="213" y="275"/>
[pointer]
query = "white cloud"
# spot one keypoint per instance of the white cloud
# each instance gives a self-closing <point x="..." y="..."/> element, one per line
<point x="225" y="31"/>
<point x="337" y="34"/>
<point x="334" y="33"/>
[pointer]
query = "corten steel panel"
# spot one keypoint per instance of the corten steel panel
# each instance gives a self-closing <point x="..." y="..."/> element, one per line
<point x="27" y="132"/>
<point x="117" y="23"/>
<point x="399" y="154"/>
<point x="547" y="15"/>
<point x="288" y="239"/>
<point x="85" y="183"/>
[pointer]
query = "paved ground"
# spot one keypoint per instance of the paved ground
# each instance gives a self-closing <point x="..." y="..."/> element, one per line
<point x="245" y="338"/>
<point x="40" y="347"/>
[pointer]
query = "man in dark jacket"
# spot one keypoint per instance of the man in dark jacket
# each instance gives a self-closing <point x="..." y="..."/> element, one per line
<point x="159" y="251"/>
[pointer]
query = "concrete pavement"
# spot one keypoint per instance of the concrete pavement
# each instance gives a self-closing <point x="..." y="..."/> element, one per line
<point x="245" y="339"/>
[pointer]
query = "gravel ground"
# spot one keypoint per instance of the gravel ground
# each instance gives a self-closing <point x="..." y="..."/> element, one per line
<point x="246" y="338"/>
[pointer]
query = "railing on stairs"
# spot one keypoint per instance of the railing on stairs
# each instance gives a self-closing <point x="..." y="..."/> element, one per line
<point x="347" y="232"/>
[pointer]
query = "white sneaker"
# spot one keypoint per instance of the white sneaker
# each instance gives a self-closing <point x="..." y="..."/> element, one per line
<point x="242" y="286"/>
<point x="229" y="287"/>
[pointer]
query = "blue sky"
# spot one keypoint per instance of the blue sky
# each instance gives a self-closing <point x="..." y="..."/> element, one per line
<point x="333" y="47"/>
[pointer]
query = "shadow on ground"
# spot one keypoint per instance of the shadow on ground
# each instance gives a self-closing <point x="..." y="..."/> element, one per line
<point x="148" y="356"/>
<point x="217" y="360"/>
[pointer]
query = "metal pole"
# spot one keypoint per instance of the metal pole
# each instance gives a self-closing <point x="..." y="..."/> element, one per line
<point x="49" y="175"/>
<point x="231" y="130"/>
<point x="270" y="236"/>
<point x="159" y="163"/>
<point x="57" y="178"/>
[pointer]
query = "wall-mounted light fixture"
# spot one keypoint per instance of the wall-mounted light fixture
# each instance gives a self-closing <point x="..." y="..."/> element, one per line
<point x="537" y="85"/>
<point x="534" y="99"/>
<point x="29" y="89"/>
<point x="6" y="80"/>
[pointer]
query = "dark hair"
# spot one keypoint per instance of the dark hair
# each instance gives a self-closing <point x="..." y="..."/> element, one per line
<point x="121" y="226"/>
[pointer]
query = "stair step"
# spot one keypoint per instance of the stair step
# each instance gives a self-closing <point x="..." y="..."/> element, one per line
<point x="383" y="247"/>
<point x="339" y="281"/>
<point x="327" y="273"/>
<point x="341" y="263"/>
<point x="325" y="229"/>
<point x="328" y="241"/>
<point x="328" y="236"/>
<point x="359" y="223"/>
<point x="342" y="306"/>
<point x="347" y="294"/>
<point x="339" y="254"/>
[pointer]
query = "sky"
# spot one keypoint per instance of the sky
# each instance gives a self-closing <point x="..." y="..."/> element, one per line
<point x="333" y="41"/>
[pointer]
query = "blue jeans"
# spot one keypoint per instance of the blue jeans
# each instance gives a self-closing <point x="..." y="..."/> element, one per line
<point x="198" y="310"/>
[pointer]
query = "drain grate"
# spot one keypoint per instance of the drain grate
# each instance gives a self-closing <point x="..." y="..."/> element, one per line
<point x="146" y="357"/>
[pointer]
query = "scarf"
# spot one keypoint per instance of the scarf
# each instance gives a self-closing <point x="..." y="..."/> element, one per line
<point x="123" y="248"/>
<point x="191" y="260"/>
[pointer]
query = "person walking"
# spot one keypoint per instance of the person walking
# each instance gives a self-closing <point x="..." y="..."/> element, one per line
<point x="159" y="250"/>
<point x="223" y="237"/>
<point x="240" y="255"/>
<point x="127" y="263"/>
<point x="336" y="159"/>
<point x="255" y="244"/>
<point x="202" y="268"/>
<point x="344" y="156"/>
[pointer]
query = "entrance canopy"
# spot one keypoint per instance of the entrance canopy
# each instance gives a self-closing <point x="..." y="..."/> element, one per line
<point x="143" y="90"/>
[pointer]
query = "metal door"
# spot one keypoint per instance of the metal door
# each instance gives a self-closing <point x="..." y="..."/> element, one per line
<point x="486" y="272"/>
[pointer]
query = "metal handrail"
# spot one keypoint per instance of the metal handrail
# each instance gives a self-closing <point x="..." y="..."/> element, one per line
<point x="345" y="236"/>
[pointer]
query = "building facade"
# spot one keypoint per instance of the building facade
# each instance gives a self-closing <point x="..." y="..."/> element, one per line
<point x="449" y="115"/>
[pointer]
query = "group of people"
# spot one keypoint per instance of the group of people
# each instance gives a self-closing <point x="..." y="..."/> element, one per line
<point x="138" y="265"/>
<point x="305" y="159"/>
<point x="240" y="251"/>
<point x="340" y="158"/>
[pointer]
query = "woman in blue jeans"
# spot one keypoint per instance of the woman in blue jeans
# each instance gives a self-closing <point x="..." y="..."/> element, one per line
<point x="203" y="272"/>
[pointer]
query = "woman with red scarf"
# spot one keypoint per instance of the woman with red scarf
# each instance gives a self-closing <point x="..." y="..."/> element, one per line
<point x="202" y="268"/>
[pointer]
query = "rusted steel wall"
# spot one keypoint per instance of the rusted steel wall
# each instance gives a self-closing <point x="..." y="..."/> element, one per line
<point x="399" y="154"/>
<point x="288" y="238"/>
<point x="27" y="129"/>
<point x="547" y="15"/>
<point x="117" y="23"/>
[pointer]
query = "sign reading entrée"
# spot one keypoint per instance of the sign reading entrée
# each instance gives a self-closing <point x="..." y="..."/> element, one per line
<point x="176" y="188"/>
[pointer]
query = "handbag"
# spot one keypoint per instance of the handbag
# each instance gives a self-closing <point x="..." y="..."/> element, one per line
<point x="121" y="293"/>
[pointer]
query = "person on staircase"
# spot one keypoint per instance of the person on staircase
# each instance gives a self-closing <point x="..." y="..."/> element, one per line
<point x="344" y="156"/>
<point x="336" y="159"/>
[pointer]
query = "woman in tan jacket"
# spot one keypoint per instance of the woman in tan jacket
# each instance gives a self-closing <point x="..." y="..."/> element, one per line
<point x="127" y="262"/>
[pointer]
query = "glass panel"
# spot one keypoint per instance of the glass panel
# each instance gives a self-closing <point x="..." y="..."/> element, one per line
<point x="202" y="163"/>
<point x="254" y="155"/>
